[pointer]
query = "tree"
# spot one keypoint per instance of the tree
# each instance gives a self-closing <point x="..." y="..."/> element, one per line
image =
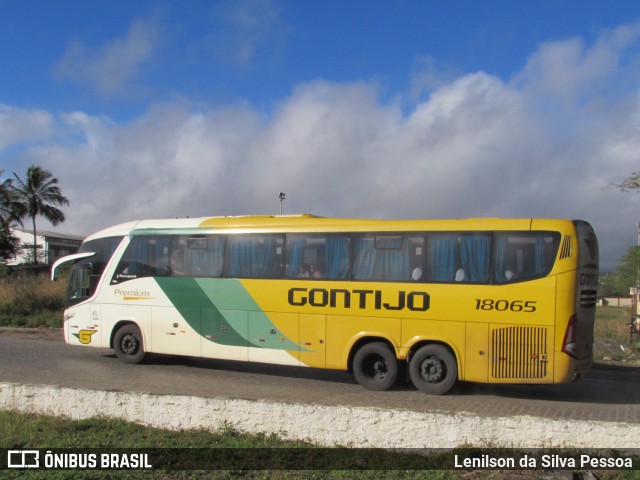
<point x="632" y="182"/>
<point x="10" y="212"/>
<point x="627" y="272"/>
<point x="39" y="194"/>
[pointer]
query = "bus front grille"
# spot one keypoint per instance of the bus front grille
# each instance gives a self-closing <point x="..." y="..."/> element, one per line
<point x="519" y="352"/>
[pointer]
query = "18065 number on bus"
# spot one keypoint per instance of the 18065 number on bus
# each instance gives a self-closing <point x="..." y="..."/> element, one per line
<point x="527" y="306"/>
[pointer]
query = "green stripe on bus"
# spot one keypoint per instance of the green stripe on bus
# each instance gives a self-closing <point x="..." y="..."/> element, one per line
<point x="199" y="312"/>
<point x="231" y="292"/>
<point x="198" y="301"/>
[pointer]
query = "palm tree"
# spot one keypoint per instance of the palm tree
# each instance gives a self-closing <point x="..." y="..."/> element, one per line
<point x="38" y="194"/>
<point x="7" y="208"/>
<point x="10" y="212"/>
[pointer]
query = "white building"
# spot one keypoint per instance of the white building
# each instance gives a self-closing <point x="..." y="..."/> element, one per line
<point x="51" y="246"/>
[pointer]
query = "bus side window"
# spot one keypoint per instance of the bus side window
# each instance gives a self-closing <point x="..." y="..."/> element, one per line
<point x="205" y="255"/>
<point x="475" y="254"/>
<point x="177" y="265"/>
<point x="196" y="256"/>
<point x="522" y="256"/>
<point x="145" y="256"/>
<point x="255" y="256"/>
<point x="459" y="257"/>
<point x="391" y="257"/>
<point x="318" y="256"/>
<point x="442" y="257"/>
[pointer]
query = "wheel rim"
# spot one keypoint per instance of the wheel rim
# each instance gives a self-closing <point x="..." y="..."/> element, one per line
<point x="433" y="369"/>
<point x="375" y="367"/>
<point x="129" y="344"/>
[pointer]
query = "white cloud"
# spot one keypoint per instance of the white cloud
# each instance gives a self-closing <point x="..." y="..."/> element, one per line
<point x="19" y="126"/>
<point x="246" y="27"/>
<point x="429" y="75"/>
<point x="111" y="67"/>
<point x="478" y="146"/>
<point x="567" y="70"/>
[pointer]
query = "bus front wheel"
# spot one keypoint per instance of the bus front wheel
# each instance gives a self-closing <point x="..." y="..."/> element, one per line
<point x="375" y="366"/>
<point x="127" y="344"/>
<point x="433" y="369"/>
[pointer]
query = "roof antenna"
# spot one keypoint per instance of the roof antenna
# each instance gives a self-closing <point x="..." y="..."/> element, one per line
<point x="282" y="198"/>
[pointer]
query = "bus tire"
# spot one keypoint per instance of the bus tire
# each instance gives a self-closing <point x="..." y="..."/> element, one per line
<point x="433" y="369"/>
<point x="375" y="366"/>
<point x="127" y="344"/>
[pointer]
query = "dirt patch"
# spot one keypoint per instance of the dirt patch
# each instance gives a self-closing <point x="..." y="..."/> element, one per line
<point x="43" y="333"/>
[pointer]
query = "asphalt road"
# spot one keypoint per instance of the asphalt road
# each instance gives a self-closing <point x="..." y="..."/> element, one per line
<point x="608" y="393"/>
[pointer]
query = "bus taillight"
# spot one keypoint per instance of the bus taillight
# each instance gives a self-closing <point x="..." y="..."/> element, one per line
<point x="569" y="343"/>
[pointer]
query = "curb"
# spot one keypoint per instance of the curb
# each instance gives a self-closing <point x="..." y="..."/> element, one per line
<point x="323" y="425"/>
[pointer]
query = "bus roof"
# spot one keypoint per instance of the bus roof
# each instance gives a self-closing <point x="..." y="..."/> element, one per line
<point x="312" y="223"/>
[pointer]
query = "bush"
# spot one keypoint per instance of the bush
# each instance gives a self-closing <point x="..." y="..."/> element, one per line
<point x="31" y="301"/>
<point x="4" y="270"/>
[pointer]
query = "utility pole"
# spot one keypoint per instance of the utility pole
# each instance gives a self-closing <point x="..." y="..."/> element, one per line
<point x="282" y="198"/>
<point x="636" y="294"/>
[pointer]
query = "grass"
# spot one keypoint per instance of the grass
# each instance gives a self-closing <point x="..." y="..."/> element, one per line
<point x="18" y="430"/>
<point x="612" y="339"/>
<point x="31" y="301"/>
<point x="229" y="447"/>
<point x="22" y="431"/>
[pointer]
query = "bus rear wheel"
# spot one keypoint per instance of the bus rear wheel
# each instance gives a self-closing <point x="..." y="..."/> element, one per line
<point x="433" y="369"/>
<point x="375" y="366"/>
<point x="127" y="344"/>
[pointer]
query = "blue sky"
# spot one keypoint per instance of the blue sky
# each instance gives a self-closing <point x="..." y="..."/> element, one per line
<point x="258" y="51"/>
<point x="403" y="109"/>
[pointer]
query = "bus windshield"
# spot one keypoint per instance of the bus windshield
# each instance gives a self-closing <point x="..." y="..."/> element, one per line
<point x="91" y="261"/>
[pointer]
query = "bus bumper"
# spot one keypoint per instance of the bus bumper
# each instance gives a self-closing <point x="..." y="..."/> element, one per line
<point x="568" y="370"/>
<point x="65" y="324"/>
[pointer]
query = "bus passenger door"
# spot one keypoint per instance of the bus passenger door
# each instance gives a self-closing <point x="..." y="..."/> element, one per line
<point x="313" y="330"/>
<point x="477" y="352"/>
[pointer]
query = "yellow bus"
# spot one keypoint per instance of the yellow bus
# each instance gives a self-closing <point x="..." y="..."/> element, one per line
<point x="433" y="301"/>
